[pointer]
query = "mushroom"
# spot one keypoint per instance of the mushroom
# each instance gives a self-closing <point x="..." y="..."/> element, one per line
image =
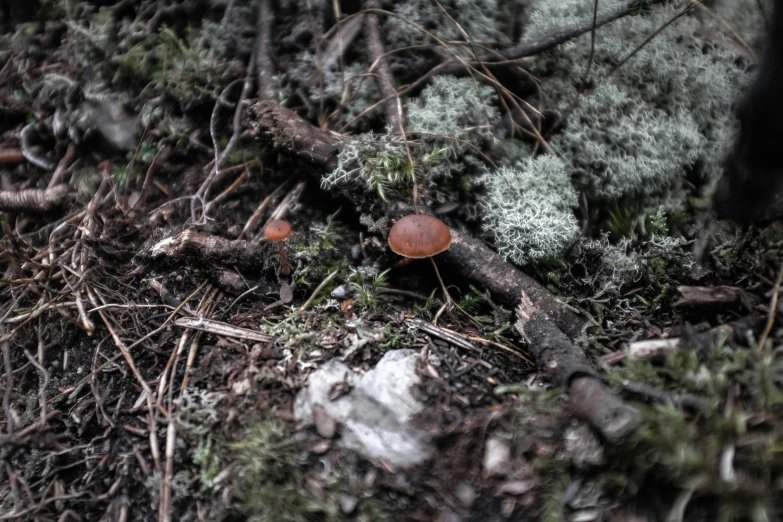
<point x="279" y="230"/>
<point x="417" y="237"/>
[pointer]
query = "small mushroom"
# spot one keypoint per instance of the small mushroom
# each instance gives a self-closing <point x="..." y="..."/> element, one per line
<point x="279" y="230"/>
<point x="417" y="237"/>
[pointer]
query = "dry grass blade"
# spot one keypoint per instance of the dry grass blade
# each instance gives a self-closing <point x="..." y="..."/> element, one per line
<point x="772" y="311"/>
<point x="224" y="329"/>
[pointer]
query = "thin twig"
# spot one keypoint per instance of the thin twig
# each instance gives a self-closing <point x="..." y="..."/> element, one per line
<point x="592" y="47"/>
<point x="317" y="291"/>
<point x="772" y="311"/>
<point x="385" y="79"/>
<point x="734" y="34"/>
<point x="133" y="345"/>
<point x="200" y="195"/>
<point x="63" y="165"/>
<point x="222" y="329"/>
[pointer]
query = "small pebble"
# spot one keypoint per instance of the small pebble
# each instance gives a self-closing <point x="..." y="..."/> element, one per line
<point x="348" y="503"/>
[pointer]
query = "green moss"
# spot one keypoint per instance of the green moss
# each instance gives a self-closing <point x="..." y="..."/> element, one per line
<point x="180" y="65"/>
<point x="365" y="286"/>
<point x="269" y="476"/>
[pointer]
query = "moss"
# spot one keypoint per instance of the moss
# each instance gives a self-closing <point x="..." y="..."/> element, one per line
<point x="269" y="476"/>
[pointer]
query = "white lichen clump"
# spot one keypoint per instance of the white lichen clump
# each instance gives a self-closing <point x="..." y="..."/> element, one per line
<point x="640" y="128"/>
<point x="450" y="112"/>
<point x="528" y="210"/>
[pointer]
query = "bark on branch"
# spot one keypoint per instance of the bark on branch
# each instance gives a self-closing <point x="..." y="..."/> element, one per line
<point x="190" y="246"/>
<point x="565" y="364"/>
<point x="384" y="78"/>
<point x="267" y="81"/>
<point x="35" y="200"/>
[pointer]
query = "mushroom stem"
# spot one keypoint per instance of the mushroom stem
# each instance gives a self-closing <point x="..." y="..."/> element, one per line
<point x="447" y="297"/>
<point x="286" y="270"/>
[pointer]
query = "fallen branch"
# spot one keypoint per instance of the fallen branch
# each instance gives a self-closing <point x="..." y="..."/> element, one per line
<point x="560" y="36"/>
<point x="384" y="79"/>
<point x="544" y="42"/>
<point x="11" y="156"/>
<point x="35" y="200"/>
<point x="290" y="133"/>
<point x="566" y="365"/>
<point x="712" y="295"/>
<point x="687" y="401"/>
<point x="190" y="246"/>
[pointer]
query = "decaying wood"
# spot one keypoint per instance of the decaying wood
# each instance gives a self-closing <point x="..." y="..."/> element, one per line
<point x="11" y="156"/>
<point x="289" y="133"/>
<point x="35" y="200"/>
<point x="712" y="295"/>
<point x="566" y="365"/>
<point x="472" y="259"/>
<point x="191" y="247"/>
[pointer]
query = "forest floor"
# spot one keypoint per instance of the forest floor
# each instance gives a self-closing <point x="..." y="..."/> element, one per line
<point x="155" y="367"/>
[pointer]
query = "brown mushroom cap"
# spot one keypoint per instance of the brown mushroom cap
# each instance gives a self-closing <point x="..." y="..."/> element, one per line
<point x="418" y="236"/>
<point x="277" y="230"/>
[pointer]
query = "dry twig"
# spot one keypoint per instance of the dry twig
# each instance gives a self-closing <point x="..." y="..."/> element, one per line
<point x="772" y="311"/>
<point x="35" y="200"/>
<point x="267" y="81"/>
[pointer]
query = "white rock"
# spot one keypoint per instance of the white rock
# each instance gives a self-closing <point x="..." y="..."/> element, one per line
<point x="497" y="455"/>
<point x="375" y="414"/>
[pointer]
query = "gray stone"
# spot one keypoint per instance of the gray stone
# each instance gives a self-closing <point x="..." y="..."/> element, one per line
<point x="497" y="455"/>
<point x="375" y="414"/>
